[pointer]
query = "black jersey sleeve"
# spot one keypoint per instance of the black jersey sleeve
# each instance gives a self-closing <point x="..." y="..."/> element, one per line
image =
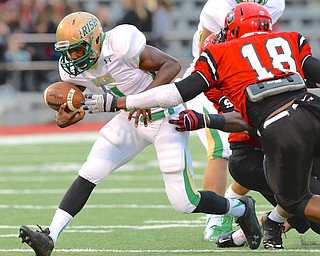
<point x="311" y="69"/>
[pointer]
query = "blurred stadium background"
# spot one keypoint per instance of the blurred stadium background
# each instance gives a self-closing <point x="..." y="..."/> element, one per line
<point x="28" y="62"/>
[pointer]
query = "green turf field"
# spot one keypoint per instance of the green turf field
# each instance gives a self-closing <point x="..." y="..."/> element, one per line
<point x="128" y="214"/>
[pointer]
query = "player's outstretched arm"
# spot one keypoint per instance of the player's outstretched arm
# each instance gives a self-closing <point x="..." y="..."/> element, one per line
<point x="190" y="120"/>
<point x="233" y="122"/>
<point x="165" y="96"/>
<point x="162" y="96"/>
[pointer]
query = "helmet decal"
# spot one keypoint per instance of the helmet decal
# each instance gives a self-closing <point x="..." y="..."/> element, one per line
<point x="88" y="27"/>
<point x="230" y="16"/>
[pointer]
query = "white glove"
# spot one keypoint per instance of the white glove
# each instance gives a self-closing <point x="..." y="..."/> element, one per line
<point x="96" y="103"/>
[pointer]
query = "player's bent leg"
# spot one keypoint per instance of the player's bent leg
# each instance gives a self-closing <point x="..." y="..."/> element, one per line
<point x="105" y="156"/>
<point x="215" y="179"/>
<point x="181" y="191"/>
<point x="112" y="150"/>
<point x="311" y="210"/>
<point x="176" y="167"/>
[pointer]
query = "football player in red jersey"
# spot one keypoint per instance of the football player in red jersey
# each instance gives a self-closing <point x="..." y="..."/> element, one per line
<point x="262" y="74"/>
<point x="211" y="20"/>
<point x="246" y="168"/>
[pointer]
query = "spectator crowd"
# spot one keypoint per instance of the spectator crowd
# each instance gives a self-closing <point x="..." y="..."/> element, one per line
<point x="20" y="17"/>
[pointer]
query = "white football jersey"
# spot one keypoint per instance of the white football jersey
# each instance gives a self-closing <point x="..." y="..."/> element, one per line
<point x="117" y="67"/>
<point x="214" y="12"/>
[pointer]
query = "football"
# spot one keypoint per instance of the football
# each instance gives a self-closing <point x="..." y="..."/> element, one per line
<point x="58" y="93"/>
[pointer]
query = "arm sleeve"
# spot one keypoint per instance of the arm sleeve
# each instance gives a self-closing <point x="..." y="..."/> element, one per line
<point x="311" y="69"/>
<point x="168" y="95"/>
<point x="164" y="96"/>
<point x="191" y="86"/>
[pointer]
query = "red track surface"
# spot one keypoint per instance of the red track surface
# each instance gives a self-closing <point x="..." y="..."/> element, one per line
<point x="48" y="128"/>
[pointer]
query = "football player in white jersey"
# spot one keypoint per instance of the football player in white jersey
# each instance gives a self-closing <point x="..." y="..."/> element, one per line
<point x="212" y="19"/>
<point x="120" y="61"/>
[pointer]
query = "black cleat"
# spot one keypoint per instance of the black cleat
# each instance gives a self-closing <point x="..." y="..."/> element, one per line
<point x="226" y="240"/>
<point x="249" y="223"/>
<point x="271" y="233"/>
<point x="39" y="241"/>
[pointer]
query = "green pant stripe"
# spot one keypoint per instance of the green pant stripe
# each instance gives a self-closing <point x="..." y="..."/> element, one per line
<point x="192" y="192"/>
<point x="215" y="145"/>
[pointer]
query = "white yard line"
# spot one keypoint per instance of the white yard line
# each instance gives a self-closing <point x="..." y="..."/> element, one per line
<point x="161" y="252"/>
<point x="47" y="138"/>
<point x="50" y="138"/>
<point x="261" y="208"/>
<point x="96" y="191"/>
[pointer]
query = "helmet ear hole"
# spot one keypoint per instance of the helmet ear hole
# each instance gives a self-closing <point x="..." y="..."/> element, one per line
<point x="98" y="39"/>
<point x="237" y="32"/>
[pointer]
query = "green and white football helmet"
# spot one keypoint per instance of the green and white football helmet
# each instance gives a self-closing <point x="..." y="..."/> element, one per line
<point x="79" y="32"/>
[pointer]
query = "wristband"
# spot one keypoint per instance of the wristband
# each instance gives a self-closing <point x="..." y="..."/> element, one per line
<point x="215" y="121"/>
<point x="113" y="107"/>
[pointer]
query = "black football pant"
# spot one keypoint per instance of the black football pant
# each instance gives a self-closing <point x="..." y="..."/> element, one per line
<point x="246" y="167"/>
<point x="290" y="145"/>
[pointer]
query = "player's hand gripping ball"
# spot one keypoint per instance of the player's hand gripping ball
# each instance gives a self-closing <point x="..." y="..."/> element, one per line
<point x="59" y="93"/>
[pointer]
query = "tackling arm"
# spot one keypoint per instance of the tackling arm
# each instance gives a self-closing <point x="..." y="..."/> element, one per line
<point x="233" y="122"/>
<point x="311" y="69"/>
<point x="165" y="96"/>
<point x="190" y="120"/>
<point x="168" y="95"/>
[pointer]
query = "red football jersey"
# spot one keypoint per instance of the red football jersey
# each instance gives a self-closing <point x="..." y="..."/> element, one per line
<point x="243" y="137"/>
<point x="214" y="95"/>
<point x="232" y="66"/>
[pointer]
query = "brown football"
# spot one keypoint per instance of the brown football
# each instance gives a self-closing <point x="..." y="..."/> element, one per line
<point x="58" y="93"/>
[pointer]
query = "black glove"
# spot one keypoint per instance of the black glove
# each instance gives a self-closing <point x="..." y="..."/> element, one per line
<point x="225" y="105"/>
<point x="189" y="120"/>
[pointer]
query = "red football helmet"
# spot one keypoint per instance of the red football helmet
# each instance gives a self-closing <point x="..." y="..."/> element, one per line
<point x="247" y="18"/>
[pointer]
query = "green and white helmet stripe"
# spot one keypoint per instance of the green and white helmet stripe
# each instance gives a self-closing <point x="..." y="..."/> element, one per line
<point x="262" y="2"/>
